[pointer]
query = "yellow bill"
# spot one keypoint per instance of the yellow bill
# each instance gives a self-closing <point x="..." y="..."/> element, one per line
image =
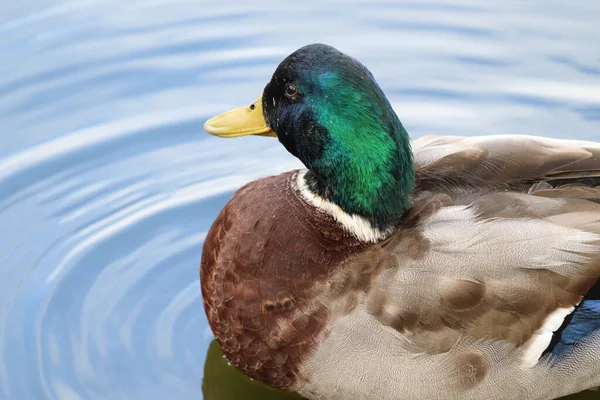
<point x="240" y="122"/>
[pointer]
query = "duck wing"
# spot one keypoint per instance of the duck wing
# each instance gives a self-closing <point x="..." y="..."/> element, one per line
<point x="503" y="161"/>
<point x="502" y="247"/>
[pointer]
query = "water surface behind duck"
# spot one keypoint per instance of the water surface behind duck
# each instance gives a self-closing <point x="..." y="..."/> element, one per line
<point x="108" y="183"/>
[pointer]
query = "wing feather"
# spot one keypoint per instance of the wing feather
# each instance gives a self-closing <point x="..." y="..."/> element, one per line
<point x="501" y="161"/>
<point x="499" y="264"/>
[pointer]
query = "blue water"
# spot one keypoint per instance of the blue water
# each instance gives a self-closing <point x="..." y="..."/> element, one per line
<point x="108" y="183"/>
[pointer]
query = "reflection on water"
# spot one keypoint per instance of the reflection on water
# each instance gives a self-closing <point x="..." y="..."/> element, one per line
<point x="222" y="381"/>
<point x="108" y="184"/>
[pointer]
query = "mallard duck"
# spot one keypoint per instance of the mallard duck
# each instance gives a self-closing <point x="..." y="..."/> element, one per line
<point x="445" y="267"/>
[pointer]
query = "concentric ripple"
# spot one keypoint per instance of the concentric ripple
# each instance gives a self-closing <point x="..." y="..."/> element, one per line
<point x="108" y="184"/>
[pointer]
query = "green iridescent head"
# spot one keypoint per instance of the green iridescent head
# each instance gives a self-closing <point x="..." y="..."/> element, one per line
<point x="326" y="109"/>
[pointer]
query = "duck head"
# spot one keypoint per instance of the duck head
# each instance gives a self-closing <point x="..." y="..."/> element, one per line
<point x="327" y="110"/>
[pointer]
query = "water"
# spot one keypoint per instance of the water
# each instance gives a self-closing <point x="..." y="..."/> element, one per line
<point x="108" y="183"/>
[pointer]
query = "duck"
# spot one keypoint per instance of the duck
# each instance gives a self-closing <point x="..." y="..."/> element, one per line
<point x="446" y="267"/>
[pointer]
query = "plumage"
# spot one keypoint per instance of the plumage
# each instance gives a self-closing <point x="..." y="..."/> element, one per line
<point x="480" y="284"/>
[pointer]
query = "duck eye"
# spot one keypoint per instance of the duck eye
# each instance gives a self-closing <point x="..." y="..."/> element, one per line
<point x="290" y="91"/>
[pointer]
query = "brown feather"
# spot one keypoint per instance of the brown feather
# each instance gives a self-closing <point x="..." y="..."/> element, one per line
<point x="253" y="263"/>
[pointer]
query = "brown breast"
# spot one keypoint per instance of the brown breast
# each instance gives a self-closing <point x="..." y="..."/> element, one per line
<point x="263" y="264"/>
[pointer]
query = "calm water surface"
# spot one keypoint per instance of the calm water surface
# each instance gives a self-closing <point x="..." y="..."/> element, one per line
<point x="108" y="183"/>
